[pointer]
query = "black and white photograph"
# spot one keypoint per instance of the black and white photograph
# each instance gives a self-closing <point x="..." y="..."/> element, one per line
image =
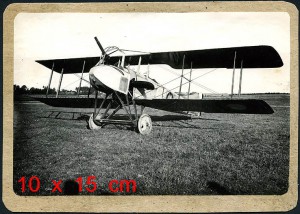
<point x="151" y="104"/>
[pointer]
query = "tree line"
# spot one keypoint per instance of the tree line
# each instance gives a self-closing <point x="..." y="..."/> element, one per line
<point x="20" y="90"/>
<point x="24" y="90"/>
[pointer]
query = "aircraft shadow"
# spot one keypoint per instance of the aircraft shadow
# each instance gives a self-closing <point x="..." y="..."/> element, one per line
<point x="180" y="124"/>
<point x="64" y="115"/>
<point x="85" y="116"/>
<point x="177" y="121"/>
<point x="216" y="187"/>
<point x="71" y="187"/>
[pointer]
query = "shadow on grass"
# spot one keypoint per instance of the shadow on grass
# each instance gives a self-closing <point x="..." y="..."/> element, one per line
<point x="179" y="121"/>
<point x="85" y="116"/>
<point x="216" y="187"/>
<point x="182" y="125"/>
<point x="70" y="115"/>
<point x="71" y="187"/>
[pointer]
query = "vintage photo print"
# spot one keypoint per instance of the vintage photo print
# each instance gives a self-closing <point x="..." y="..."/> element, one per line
<point x="132" y="108"/>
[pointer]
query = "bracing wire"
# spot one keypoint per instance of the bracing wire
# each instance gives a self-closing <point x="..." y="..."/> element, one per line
<point x="202" y="86"/>
<point x="198" y="84"/>
<point x="69" y="84"/>
<point x="77" y="75"/>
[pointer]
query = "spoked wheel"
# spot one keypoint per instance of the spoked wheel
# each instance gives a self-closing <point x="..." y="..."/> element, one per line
<point x="92" y="124"/>
<point x="144" y="124"/>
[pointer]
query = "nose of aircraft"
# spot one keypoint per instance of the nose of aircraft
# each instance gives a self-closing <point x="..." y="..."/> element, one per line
<point x="109" y="78"/>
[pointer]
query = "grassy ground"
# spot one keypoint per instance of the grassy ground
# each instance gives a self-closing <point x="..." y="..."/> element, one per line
<point x="216" y="154"/>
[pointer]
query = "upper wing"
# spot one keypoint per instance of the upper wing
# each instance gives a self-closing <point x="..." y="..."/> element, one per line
<point x="250" y="106"/>
<point x="70" y="65"/>
<point x="252" y="56"/>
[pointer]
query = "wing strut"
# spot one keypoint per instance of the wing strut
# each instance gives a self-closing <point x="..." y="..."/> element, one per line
<point x="50" y="79"/>
<point x="60" y="80"/>
<point x="81" y="78"/>
<point x="190" y="80"/>
<point x="181" y="77"/>
<point x="232" y="83"/>
<point x="241" y="74"/>
<point x="139" y="66"/>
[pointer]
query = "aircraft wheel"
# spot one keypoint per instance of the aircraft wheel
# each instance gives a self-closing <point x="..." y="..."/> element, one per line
<point x="92" y="124"/>
<point x="144" y="124"/>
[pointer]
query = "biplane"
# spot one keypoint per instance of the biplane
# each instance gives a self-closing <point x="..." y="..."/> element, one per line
<point x="112" y="76"/>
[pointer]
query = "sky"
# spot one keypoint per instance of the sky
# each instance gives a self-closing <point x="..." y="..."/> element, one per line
<point x="40" y="36"/>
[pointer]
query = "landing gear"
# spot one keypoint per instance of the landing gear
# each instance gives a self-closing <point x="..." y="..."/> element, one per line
<point x="97" y="120"/>
<point x="144" y="125"/>
<point x="92" y="124"/>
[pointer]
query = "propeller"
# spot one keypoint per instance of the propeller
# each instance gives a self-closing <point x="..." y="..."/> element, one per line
<point x="100" y="46"/>
<point x="107" y="51"/>
<point x="105" y="56"/>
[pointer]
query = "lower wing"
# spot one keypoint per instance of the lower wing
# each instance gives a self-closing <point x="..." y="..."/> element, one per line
<point x="245" y="106"/>
<point x="250" y="106"/>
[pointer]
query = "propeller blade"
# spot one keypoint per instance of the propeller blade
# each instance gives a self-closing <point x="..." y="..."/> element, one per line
<point x="100" y="46"/>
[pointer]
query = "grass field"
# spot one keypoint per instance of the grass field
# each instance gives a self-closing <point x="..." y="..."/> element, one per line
<point x="216" y="154"/>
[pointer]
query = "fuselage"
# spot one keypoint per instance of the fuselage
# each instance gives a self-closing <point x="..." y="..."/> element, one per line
<point x="108" y="78"/>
